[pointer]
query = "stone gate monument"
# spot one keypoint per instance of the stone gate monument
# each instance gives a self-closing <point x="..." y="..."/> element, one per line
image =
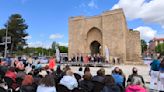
<point x="91" y="35"/>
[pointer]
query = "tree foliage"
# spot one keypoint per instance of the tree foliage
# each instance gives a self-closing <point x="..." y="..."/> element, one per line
<point x="160" y="48"/>
<point x="16" y="27"/>
<point x="143" y="45"/>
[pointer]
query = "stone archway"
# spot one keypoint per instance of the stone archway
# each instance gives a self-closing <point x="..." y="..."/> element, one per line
<point x="95" y="47"/>
<point x="94" y="41"/>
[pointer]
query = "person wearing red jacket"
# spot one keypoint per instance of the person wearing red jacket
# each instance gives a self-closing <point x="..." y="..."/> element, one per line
<point x="52" y="63"/>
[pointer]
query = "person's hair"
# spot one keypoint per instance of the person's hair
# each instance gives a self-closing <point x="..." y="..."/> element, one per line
<point x="162" y="63"/>
<point x="101" y="72"/>
<point x="136" y="81"/>
<point x="80" y="69"/>
<point x="69" y="73"/>
<point x="159" y="56"/>
<point x="47" y="81"/>
<point x="86" y="69"/>
<point x="28" y="80"/>
<point x="109" y="80"/>
<point x="117" y="70"/>
<point x="58" y="70"/>
<point x="12" y="69"/>
<point x="134" y="70"/>
<point x="87" y="76"/>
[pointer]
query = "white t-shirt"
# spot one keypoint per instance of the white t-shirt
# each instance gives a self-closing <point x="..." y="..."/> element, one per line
<point x="42" y="88"/>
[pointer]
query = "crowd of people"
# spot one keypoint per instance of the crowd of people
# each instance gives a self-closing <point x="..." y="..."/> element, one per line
<point x="22" y="75"/>
<point x="95" y="58"/>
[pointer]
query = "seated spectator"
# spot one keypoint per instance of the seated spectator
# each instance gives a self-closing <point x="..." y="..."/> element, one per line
<point x="87" y="69"/>
<point x="98" y="80"/>
<point x="11" y="73"/>
<point x="47" y="84"/>
<point x="117" y="77"/>
<point x="124" y="78"/>
<point x="86" y="84"/>
<point x="27" y="84"/>
<point x="136" y="85"/>
<point x="100" y="76"/>
<point x="134" y="74"/>
<point x="110" y="85"/>
<point x="69" y="80"/>
<point x="80" y="72"/>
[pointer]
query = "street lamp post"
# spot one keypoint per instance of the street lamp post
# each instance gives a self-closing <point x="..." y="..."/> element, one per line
<point x="5" y="55"/>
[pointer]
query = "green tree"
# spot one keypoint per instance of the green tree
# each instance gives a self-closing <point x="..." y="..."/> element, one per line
<point x="54" y="46"/>
<point x="63" y="49"/>
<point x="160" y="48"/>
<point x="143" y="45"/>
<point x="16" y="29"/>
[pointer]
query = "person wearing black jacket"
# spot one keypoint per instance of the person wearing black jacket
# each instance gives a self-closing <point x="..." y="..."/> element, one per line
<point x="110" y="85"/>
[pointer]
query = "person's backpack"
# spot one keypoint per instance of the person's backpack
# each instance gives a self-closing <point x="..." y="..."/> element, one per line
<point x="155" y="65"/>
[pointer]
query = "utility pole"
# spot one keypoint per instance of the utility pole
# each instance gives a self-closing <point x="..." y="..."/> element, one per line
<point x="5" y="55"/>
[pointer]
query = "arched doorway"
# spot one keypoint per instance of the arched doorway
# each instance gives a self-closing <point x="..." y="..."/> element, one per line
<point x="95" y="47"/>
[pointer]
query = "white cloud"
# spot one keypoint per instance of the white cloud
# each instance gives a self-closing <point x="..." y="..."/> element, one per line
<point x="151" y="11"/>
<point x="63" y="44"/>
<point x="28" y="37"/>
<point x="146" y="33"/>
<point x="55" y="36"/>
<point x="92" y="4"/>
<point x="39" y="44"/>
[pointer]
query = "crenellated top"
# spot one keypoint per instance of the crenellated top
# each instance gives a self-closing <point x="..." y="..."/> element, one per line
<point x="109" y="12"/>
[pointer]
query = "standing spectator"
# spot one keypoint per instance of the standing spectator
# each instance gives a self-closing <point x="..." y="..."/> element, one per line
<point x="86" y="84"/>
<point x="161" y="77"/>
<point x="30" y="60"/>
<point x="69" y="80"/>
<point x="134" y="74"/>
<point x="47" y="84"/>
<point x="110" y="85"/>
<point x="136" y="86"/>
<point x="52" y="63"/>
<point x="154" y="72"/>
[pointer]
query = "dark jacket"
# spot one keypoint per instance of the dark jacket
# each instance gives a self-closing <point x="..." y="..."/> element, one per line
<point x="98" y="82"/>
<point x="111" y="88"/>
<point x="86" y="86"/>
<point x="28" y="88"/>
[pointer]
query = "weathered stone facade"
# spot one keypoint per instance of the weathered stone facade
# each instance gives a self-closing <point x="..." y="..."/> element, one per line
<point x="108" y="29"/>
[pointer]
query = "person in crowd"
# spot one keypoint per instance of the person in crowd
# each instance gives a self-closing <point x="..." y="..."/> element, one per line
<point x="98" y="80"/>
<point x="124" y="78"/>
<point x="87" y="69"/>
<point x="30" y="60"/>
<point x="11" y="73"/>
<point x="27" y="84"/>
<point x="134" y="74"/>
<point x="161" y="76"/>
<point x="86" y="84"/>
<point x="136" y="86"/>
<point x="80" y="71"/>
<point x="47" y="84"/>
<point x="52" y="63"/>
<point x="69" y="80"/>
<point x="110" y="85"/>
<point x="117" y="77"/>
<point x="154" y="72"/>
